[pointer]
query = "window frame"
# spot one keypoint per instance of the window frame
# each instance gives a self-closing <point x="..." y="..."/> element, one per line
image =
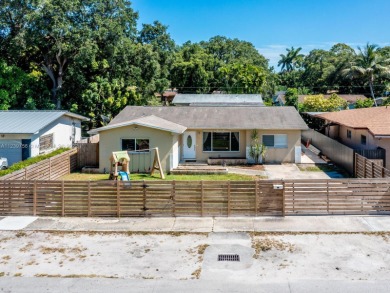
<point x="135" y="145"/>
<point x="349" y="134"/>
<point x="284" y="146"/>
<point x="363" y="137"/>
<point x="230" y="142"/>
<point x="43" y="142"/>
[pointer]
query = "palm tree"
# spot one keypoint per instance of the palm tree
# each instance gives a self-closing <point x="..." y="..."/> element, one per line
<point x="291" y="60"/>
<point x="368" y="65"/>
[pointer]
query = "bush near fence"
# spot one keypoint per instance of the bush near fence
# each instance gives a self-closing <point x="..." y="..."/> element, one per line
<point x="194" y="198"/>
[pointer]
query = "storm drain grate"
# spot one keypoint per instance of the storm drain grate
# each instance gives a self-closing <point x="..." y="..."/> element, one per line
<point x="228" y="257"/>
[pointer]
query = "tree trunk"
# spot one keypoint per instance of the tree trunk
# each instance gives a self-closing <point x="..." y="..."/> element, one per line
<point x="372" y="92"/>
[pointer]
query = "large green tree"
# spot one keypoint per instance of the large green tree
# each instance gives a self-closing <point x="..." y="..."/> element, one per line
<point x="368" y="65"/>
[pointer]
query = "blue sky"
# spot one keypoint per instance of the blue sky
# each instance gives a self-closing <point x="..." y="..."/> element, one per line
<point x="273" y="25"/>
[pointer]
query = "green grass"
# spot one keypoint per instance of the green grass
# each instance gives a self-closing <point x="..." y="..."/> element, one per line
<point x="31" y="161"/>
<point x="136" y="177"/>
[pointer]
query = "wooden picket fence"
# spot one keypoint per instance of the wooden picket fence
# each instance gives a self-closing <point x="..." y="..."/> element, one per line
<point x="365" y="168"/>
<point x="337" y="196"/>
<point x="49" y="169"/>
<point x="194" y="198"/>
<point x="139" y="198"/>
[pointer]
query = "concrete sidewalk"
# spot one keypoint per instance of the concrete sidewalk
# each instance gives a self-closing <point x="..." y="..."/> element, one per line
<point x="206" y="224"/>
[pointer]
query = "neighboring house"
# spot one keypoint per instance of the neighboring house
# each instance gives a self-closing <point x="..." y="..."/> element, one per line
<point x="198" y="133"/>
<point x="218" y="100"/>
<point x="367" y="128"/>
<point x="167" y="96"/>
<point x="25" y="134"/>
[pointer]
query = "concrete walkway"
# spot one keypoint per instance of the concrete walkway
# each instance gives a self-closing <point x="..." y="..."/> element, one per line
<point x="210" y="224"/>
<point x="60" y="285"/>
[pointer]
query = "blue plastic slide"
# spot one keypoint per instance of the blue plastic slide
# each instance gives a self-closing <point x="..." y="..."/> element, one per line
<point x="124" y="176"/>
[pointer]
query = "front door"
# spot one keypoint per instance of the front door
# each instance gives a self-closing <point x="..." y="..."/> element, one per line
<point x="189" y="145"/>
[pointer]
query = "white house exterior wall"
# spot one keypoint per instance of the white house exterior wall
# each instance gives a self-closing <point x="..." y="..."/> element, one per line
<point x="62" y="134"/>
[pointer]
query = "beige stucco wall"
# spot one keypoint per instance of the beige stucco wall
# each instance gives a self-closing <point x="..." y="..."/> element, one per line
<point x="110" y="140"/>
<point x="281" y="155"/>
<point x="385" y="143"/>
<point x="273" y="155"/>
<point x="372" y="142"/>
<point x="354" y="141"/>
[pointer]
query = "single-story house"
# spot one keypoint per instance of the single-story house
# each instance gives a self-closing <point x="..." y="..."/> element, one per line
<point x="25" y="134"/>
<point x="367" y="128"/>
<point x="218" y="100"/>
<point x="198" y="133"/>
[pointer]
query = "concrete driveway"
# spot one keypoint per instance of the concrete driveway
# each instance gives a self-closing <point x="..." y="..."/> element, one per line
<point x="291" y="171"/>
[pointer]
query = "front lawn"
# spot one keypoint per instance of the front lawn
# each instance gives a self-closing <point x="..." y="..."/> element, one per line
<point x="136" y="177"/>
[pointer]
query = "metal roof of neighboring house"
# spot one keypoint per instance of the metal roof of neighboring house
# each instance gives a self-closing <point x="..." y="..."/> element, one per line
<point x="150" y="121"/>
<point x="218" y="117"/>
<point x="217" y="99"/>
<point x="29" y="122"/>
<point x="375" y="119"/>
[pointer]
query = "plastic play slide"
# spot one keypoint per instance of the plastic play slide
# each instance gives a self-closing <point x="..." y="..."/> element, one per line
<point x="124" y="176"/>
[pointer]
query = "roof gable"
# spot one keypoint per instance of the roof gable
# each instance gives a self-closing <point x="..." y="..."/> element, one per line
<point x="146" y="121"/>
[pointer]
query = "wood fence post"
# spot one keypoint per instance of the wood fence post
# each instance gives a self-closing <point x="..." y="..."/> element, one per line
<point x="62" y="198"/>
<point x="35" y="198"/>
<point x="284" y="199"/>
<point x="256" y="197"/>
<point x="89" y="199"/>
<point x="383" y="172"/>
<point x="173" y="198"/>
<point x="25" y="173"/>
<point x="201" y="198"/>
<point x="372" y="169"/>
<point x="355" y="165"/>
<point x="364" y="167"/>
<point x="118" y="199"/>
<point x="228" y="199"/>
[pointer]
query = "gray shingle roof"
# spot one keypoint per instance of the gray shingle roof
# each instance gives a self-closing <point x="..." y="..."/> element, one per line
<point x="219" y="117"/>
<point x="148" y="121"/>
<point x="29" y="122"/>
<point x="192" y="99"/>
